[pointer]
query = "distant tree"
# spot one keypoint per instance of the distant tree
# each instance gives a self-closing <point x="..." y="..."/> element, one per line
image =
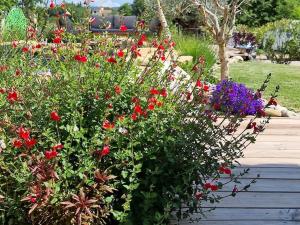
<point x="138" y="7"/>
<point x="125" y="9"/>
<point x="219" y="17"/>
<point x="259" y="12"/>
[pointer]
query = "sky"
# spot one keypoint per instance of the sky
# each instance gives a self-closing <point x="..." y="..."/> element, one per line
<point x="106" y="3"/>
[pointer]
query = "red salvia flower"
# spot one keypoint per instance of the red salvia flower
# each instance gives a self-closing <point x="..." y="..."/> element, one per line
<point x="51" y="154"/>
<point x="30" y="143"/>
<point x="54" y="116"/>
<point x="17" y="143"/>
<point x="52" y="5"/>
<point x="105" y="151"/>
<point x="2" y="90"/>
<point x="118" y="89"/>
<point x="111" y="60"/>
<point x="23" y="133"/>
<point x="206" y="186"/>
<point x="163" y="92"/>
<point x="123" y="28"/>
<point x="80" y="58"/>
<point x="154" y="91"/>
<point x="57" y="40"/>
<point x="272" y="101"/>
<point x="214" y="187"/>
<point x="12" y="96"/>
<point x="120" y="53"/>
<point x="138" y="109"/>
<point x="58" y="147"/>
<point x="151" y="106"/>
<point x="108" y="125"/>
<point x="198" y="84"/>
<point x="25" y="49"/>
<point x="206" y="88"/>
<point x="134" y="116"/>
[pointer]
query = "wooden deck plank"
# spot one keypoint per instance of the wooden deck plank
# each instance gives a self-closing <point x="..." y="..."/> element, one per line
<point x="270" y="145"/>
<point x="248" y="222"/>
<point x="272" y="154"/>
<point x="265" y="185"/>
<point x="270" y="162"/>
<point x="282" y="173"/>
<point x="259" y="200"/>
<point x="240" y="214"/>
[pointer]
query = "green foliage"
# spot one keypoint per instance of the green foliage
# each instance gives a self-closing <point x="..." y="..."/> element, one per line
<point x="6" y="5"/>
<point x="125" y="9"/>
<point x="270" y="36"/>
<point x="189" y="45"/>
<point x="259" y="12"/>
<point x="15" y="25"/>
<point x="138" y="7"/>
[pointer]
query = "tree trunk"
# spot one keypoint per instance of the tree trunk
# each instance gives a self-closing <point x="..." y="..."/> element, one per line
<point x="224" y="61"/>
<point x="163" y="21"/>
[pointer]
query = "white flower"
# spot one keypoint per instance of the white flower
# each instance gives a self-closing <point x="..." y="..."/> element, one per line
<point x="123" y="130"/>
<point x="2" y="144"/>
<point x="75" y="128"/>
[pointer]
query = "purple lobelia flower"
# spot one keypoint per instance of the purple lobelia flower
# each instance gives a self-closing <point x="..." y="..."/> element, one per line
<point x="236" y="99"/>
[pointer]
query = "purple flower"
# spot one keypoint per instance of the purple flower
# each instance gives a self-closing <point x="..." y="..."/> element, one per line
<point x="236" y="99"/>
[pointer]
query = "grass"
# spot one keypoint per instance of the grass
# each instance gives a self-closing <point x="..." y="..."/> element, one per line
<point x="189" y="45"/>
<point x="288" y="77"/>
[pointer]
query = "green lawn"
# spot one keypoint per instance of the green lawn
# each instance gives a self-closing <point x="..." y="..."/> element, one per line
<point x="288" y="77"/>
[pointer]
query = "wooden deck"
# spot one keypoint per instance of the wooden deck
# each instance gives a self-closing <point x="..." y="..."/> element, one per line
<point x="275" y="198"/>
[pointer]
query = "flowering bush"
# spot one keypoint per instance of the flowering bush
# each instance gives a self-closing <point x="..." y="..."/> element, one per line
<point x="244" y="38"/>
<point x="88" y="136"/>
<point x="234" y="98"/>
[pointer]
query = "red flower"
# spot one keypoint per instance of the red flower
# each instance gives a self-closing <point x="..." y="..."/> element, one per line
<point x="108" y="125"/>
<point x="163" y="92"/>
<point x="272" y="101"/>
<point x="23" y="133"/>
<point x="206" y="88"/>
<point x="207" y="186"/>
<point x="17" y="143"/>
<point x="12" y="96"/>
<point x="198" y="195"/>
<point x="50" y="154"/>
<point x="25" y="49"/>
<point x="225" y="170"/>
<point x="159" y="104"/>
<point x="161" y="48"/>
<point x="14" y="44"/>
<point x="52" y="5"/>
<point x="111" y="60"/>
<point x="123" y="28"/>
<point x="151" y="107"/>
<point x="54" y="116"/>
<point x="154" y="91"/>
<point x="30" y="143"/>
<point x="120" y="53"/>
<point x="217" y="106"/>
<point x="32" y="199"/>
<point x="80" y="58"/>
<point x="105" y="151"/>
<point x="18" y="72"/>
<point x="57" y="40"/>
<point x="38" y="46"/>
<point x="214" y="187"/>
<point x="57" y="147"/>
<point x="118" y="89"/>
<point x="138" y="109"/>
<point x="199" y="84"/>
<point x="134" y="116"/>
<point x="2" y="90"/>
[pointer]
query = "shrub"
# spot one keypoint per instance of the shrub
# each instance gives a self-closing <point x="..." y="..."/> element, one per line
<point x="15" y="25"/>
<point x="89" y="137"/>
<point x="282" y="43"/>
